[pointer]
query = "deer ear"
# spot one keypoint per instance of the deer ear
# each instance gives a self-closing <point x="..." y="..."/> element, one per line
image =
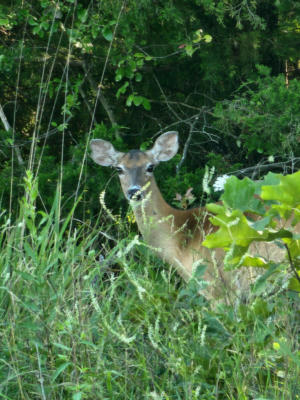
<point x="104" y="153"/>
<point x="165" y="146"/>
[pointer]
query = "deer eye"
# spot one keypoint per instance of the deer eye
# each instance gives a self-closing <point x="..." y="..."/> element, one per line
<point x="150" y="168"/>
<point x="119" y="170"/>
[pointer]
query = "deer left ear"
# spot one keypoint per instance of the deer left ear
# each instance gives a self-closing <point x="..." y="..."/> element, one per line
<point x="103" y="153"/>
<point x="165" y="146"/>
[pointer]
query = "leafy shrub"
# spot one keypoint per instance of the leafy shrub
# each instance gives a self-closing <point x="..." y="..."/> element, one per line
<point x="276" y="211"/>
<point x="263" y="117"/>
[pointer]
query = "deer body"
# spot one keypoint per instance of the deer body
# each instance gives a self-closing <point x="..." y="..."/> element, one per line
<point x="176" y="235"/>
<point x="173" y="231"/>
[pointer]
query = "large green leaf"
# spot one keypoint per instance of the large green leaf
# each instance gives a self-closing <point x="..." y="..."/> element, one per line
<point x="273" y="218"/>
<point x="239" y="194"/>
<point x="287" y="192"/>
<point x="233" y="229"/>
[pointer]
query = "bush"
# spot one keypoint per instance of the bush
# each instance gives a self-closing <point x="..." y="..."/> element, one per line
<point x="263" y="117"/>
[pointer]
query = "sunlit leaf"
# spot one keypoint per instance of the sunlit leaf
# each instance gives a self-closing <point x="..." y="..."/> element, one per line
<point x="287" y="192"/>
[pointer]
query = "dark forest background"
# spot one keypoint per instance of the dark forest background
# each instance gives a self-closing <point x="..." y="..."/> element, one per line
<point x="225" y="74"/>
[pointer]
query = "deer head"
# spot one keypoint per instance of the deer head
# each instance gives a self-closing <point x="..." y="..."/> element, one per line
<point x="135" y="168"/>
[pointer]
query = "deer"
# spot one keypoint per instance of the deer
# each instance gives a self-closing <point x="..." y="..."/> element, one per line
<point x="175" y="235"/>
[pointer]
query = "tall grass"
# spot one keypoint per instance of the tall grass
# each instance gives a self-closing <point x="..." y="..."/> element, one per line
<point x="77" y="324"/>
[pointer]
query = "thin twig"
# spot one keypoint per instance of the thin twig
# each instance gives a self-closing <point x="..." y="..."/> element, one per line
<point x="178" y="103"/>
<point x="166" y="99"/>
<point x="186" y="145"/>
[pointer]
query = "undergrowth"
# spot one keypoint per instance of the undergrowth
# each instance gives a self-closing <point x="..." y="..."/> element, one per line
<point x="84" y="316"/>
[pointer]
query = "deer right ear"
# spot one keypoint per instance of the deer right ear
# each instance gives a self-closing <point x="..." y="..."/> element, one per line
<point x="104" y="153"/>
<point x="165" y="146"/>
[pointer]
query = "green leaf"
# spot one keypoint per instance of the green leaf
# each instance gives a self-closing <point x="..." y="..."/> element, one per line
<point x="262" y="223"/>
<point x="261" y="283"/>
<point x="239" y="194"/>
<point x="257" y="262"/>
<point x="90" y="344"/>
<point x="122" y="89"/>
<point x="59" y="370"/>
<point x="4" y="22"/>
<point x="207" y="38"/>
<point x="235" y="256"/>
<point x="36" y="30"/>
<point x="294" y="284"/>
<point x="287" y="192"/>
<point x="260" y="307"/>
<point x="138" y="77"/>
<point x="189" y="50"/>
<point x="62" y="346"/>
<point x="269" y="179"/>
<point x="32" y="21"/>
<point x="129" y="100"/>
<point x="198" y="36"/>
<point x="107" y="33"/>
<point x="25" y="275"/>
<point x="233" y="229"/>
<point x="138" y="100"/>
<point x="146" y="104"/>
<point x="30" y="252"/>
<point x="216" y="208"/>
<point x="119" y="76"/>
<point x="45" y="25"/>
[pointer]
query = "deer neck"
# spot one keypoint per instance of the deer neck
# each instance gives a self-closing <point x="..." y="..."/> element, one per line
<point x="152" y="213"/>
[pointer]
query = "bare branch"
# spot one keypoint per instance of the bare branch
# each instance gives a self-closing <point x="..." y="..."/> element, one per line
<point x="258" y="168"/>
<point x="179" y="103"/>
<point x="186" y="145"/>
<point x="166" y="99"/>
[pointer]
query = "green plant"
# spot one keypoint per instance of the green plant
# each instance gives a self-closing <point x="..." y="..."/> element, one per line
<point x="276" y="211"/>
<point x="263" y="116"/>
<point x="86" y="314"/>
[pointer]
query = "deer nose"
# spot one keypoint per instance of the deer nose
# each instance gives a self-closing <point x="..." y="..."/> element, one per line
<point x="134" y="193"/>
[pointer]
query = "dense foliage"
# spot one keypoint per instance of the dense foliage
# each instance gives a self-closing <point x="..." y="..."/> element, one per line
<point x="86" y="310"/>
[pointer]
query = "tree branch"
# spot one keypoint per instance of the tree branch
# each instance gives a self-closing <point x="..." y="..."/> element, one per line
<point x="257" y="168"/>
<point x="186" y="145"/>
